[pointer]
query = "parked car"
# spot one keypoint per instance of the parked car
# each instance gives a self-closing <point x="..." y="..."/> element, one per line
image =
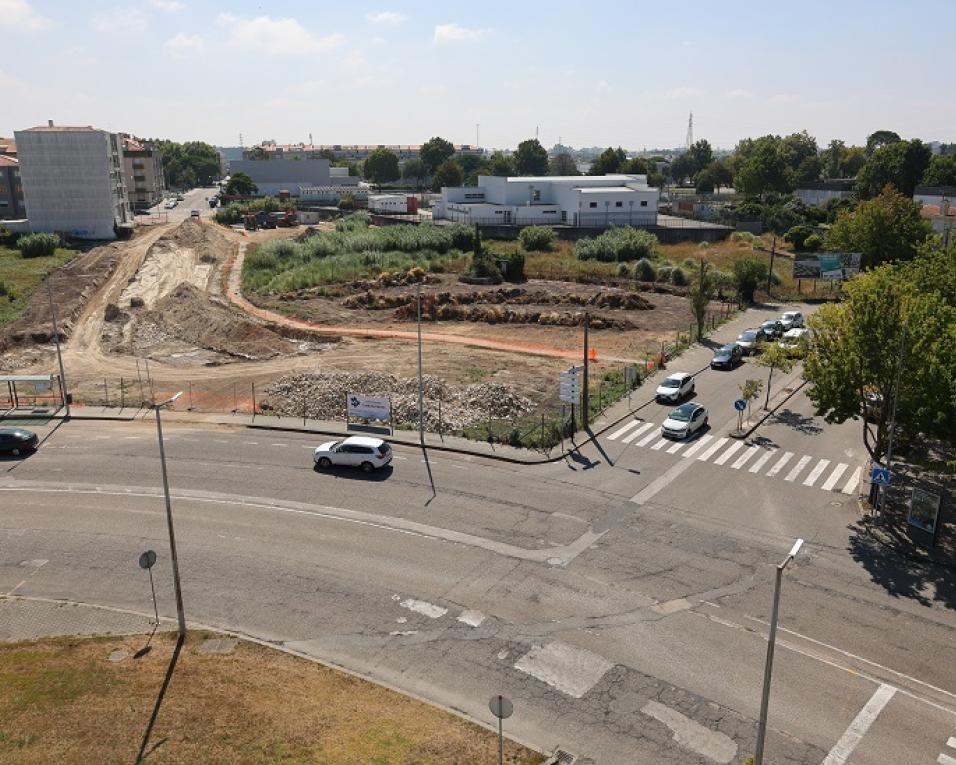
<point x="791" y="338"/>
<point x="354" y="451"/>
<point x="170" y="204"/>
<point x="18" y="440"/>
<point x="727" y="357"/>
<point x="791" y="320"/>
<point x="213" y="202"/>
<point x="872" y="406"/>
<point x="194" y="213"/>
<point x="748" y="339"/>
<point x="675" y="387"/>
<point x="772" y="328"/>
<point x="684" y="421"/>
<point x="180" y="198"/>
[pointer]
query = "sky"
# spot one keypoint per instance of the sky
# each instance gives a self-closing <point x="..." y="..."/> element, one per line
<point x="589" y="74"/>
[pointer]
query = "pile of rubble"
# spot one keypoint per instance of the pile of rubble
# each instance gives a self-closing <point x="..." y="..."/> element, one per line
<point x="624" y="301"/>
<point x="321" y="395"/>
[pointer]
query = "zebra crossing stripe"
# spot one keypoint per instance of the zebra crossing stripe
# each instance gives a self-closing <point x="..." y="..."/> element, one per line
<point x="713" y="449"/>
<point x="742" y="459"/>
<point x="676" y="447"/>
<point x="698" y="445"/>
<point x="834" y="476"/>
<point x="801" y="464"/>
<point x="816" y="472"/>
<point x="631" y="436"/>
<point x="648" y="438"/>
<point x="728" y="453"/>
<point x="787" y="456"/>
<point x="951" y="743"/>
<point x="660" y="444"/>
<point x="854" y="480"/>
<point x="762" y="461"/>
<point x="621" y="431"/>
<point x="945" y="759"/>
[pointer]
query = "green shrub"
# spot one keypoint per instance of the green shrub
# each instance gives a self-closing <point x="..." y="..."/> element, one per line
<point x="813" y="243"/>
<point x="664" y="273"/>
<point x="797" y="236"/>
<point x="3" y="289"/>
<point x="623" y="270"/>
<point x="346" y="202"/>
<point x="537" y="238"/>
<point x="515" y="267"/>
<point x="678" y="277"/>
<point x="644" y="271"/>
<point x="743" y="237"/>
<point x="38" y="245"/>
<point x="617" y="244"/>
<point x="8" y="238"/>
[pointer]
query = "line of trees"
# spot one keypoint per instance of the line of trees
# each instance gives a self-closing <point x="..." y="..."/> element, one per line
<point x="190" y="164"/>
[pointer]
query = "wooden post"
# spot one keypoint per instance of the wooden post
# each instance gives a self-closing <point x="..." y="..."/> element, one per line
<point x="190" y="395"/>
<point x="122" y="394"/>
<point x="584" y="398"/>
<point x="253" y="402"/>
<point x="106" y="392"/>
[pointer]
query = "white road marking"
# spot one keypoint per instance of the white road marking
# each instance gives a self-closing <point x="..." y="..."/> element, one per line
<point x="815" y="473"/>
<point x="714" y="448"/>
<point x="763" y="460"/>
<point x="850" y="486"/>
<point x="621" y="431"/>
<point x="728" y="452"/>
<point x="676" y="447"/>
<point x="743" y="458"/>
<point x="424" y="608"/>
<point x="843" y="748"/>
<point x="690" y="734"/>
<point x="132" y="438"/>
<point x="471" y="618"/>
<point x="834" y="476"/>
<point x="631" y="436"/>
<point x="660" y="482"/>
<point x="403" y="633"/>
<point x="699" y="444"/>
<point x="801" y="464"/>
<point x="945" y="759"/>
<point x="253" y="443"/>
<point x="278" y="444"/>
<point x="571" y="670"/>
<point x="660" y="444"/>
<point x="951" y="742"/>
<point x="647" y="439"/>
<point x="787" y="456"/>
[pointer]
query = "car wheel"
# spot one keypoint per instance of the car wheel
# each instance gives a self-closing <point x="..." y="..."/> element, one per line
<point x="705" y="424"/>
<point x="325" y="462"/>
<point x="368" y="467"/>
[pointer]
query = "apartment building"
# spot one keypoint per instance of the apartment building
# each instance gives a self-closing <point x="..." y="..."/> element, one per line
<point x="11" y="190"/>
<point x="143" y="171"/>
<point x="73" y="180"/>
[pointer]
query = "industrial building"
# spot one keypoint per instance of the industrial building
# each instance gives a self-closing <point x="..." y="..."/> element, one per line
<point x="818" y="193"/>
<point x="73" y="182"/>
<point x="354" y="152"/>
<point x="273" y="177"/>
<point x="143" y="170"/>
<point x="573" y="200"/>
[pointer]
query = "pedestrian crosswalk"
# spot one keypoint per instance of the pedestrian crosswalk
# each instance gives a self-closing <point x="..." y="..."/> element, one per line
<point x="770" y="461"/>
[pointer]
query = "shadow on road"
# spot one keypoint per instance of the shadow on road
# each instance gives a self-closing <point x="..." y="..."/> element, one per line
<point x="355" y="474"/>
<point x="797" y="421"/>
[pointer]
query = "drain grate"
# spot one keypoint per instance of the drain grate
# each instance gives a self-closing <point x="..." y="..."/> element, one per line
<point x="563" y="758"/>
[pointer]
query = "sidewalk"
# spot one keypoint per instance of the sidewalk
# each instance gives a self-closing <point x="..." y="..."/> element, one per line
<point x="35" y="618"/>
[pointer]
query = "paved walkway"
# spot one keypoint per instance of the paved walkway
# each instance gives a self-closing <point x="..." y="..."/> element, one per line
<point x="35" y="618"/>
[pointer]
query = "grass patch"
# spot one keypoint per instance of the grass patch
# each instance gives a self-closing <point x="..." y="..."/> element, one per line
<point x="252" y="706"/>
<point x="21" y="276"/>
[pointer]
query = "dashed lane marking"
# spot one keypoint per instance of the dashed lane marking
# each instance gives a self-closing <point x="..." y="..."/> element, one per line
<point x="801" y="464"/>
<point x="778" y="466"/>
<point x="834" y="476"/>
<point x="714" y="448"/>
<point x="728" y="453"/>
<point x="631" y="436"/>
<point x="816" y="472"/>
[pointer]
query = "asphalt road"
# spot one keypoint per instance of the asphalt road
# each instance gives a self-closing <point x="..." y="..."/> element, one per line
<point x="620" y="597"/>
<point x="194" y="199"/>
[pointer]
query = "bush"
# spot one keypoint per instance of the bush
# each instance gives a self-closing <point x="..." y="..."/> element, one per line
<point x="38" y="245"/>
<point x="813" y="243"/>
<point x="623" y="270"/>
<point x="743" y="237"/>
<point x="537" y="238"/>
<point x="797" y="236"/>
<point x="678" y="277"/>
<point x="749" y="273"/>
<point x="664" y="273"/>
<point x="346" y="202"/>
<point x="515" y="267"/>
<point x="8" y="238"/>
<point x="644" y="271"/>
<point x="3" y="289"/>
<point x="617" y="244"/>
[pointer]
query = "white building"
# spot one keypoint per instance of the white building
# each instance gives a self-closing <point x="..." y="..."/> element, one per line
<point x="388" y="203"/>
<point x="273" y="176"/>
<point x="73" y="181"/>
<point x="574" y="200"/>
<point x="818" y="193"/>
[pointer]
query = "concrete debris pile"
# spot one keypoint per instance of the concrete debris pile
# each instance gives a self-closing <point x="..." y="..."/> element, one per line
<point x="321" y="396"/>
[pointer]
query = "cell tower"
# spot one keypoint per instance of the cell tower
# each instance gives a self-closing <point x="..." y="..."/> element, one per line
<point x="690" y="132"/>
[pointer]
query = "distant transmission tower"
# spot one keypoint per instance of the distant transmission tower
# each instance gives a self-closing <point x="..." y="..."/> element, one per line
<point x="690" y="131"/>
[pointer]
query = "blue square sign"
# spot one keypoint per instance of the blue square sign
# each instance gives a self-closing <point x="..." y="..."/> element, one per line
<point x="880" y="476"/>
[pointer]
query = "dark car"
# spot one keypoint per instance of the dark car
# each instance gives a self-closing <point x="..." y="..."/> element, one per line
<point x="18" y="440"/>
<point x="727" y="357"/>
<point x="748" y="339"/>
<point x="772" y="328"/>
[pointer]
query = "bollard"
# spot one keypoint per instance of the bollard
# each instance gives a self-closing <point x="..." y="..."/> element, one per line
<point x="122" y="394"/>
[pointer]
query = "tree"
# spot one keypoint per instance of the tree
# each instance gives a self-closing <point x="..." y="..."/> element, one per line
<point x="326" y="154"/>
<point x="701" y="154"/>
<point x="853" y="160"/>
<point x="801" y="155"/>
<point x="434" y="152"/>
<point x="701" y="292"/>
<point x="563" y="164"/>
<point x="186" y="164"/>
<point x="941" y="171"/>
<point x="414" y="170"/>
<point x="501" y="164"/>
<point x="241" y="185"/>
<point x="748" y="273"/>
<point x="749" y="390"/>
<point x="883" y="229"/>
<point x="682" y="168"/>
<point x="901" y="163"/>
<point x="833" y="158"/>
<point x="763" y="167"/>
<point x="448" y="173"/>
<point x="472" y="165"/>
<point x="773" y="357"/>
<point x="880" y="138"/>
<point x="719" y="173"/>
<point x="381" y="166"/>
<point x="608" y="161"/>
<point x="797" y="236"/>
<point x="531" y="158"/>
<point x="636" y="166"/>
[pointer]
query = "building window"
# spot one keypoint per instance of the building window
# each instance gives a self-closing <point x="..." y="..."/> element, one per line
<point x="536" y="196"/>
<point x="643" y="203"/>
<point x="593" y="204"/>
<point x="619" y="204"/>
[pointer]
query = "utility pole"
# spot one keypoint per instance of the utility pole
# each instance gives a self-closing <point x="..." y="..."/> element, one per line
<point x="584" y="389"/>
<point x="896" y="397"/>
<point x="56" y="339"/>
<point x="773" y="251"/>
<point x="421" y="389"/>
<point x="169" y="517"/>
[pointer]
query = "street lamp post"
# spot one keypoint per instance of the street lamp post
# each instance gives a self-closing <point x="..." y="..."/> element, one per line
<point x="771" y="640"/>
<point x="64" y="393"/>
<point x="169" y="515"/>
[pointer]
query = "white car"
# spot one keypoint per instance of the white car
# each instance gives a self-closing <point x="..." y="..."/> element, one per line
<point x="354" y="451"/>
<point x="791" y="338"/>
<point x="684" y="421"/>
<point x="170" y="204"/>
<point x="791" y="320"/>
<point x="675" y="387"/>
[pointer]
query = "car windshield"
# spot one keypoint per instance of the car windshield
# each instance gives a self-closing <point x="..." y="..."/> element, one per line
<point x="681" y="414"/>
<point x="670" y="383"/>
<point x="384" y="449"/>
<point x="749" y="335"/>
<point x="770" y="324"/>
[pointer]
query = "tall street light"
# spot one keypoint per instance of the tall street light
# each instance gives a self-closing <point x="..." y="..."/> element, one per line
<point x="64" y="394"/>
<point x="768" y="668"/>
<point x="169" y="514"/>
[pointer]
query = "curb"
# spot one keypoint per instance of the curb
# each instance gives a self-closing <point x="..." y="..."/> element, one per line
<point x="768" y="414"/>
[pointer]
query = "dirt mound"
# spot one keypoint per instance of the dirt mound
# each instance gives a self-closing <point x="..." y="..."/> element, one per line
<point x="322" y="396"/>
<point x="210" y="245"/>
<point x="620" y="301"/>
<point x="187" y="315"/>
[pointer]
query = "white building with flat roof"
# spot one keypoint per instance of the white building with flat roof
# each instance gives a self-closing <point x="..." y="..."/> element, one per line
<point x="594" y="201"/>
<point x="73" y="181"/>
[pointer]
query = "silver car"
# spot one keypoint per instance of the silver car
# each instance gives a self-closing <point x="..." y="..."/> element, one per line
<point x="684" y="421"/>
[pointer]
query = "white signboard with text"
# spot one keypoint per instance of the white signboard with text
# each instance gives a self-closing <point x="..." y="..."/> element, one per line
<point x="365" y="407"/>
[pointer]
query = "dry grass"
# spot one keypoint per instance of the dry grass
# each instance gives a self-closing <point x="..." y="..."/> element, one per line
<point x="61" y="700"/>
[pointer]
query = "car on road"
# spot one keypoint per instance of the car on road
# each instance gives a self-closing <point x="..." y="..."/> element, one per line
<point x="18" y="440"/>
<point x="792" y="337"/>
<point x="748" y="339"/>
<point x="772" y="328"/>
<point x="684" y="421"/>
<point x="355" y="451"/>
<point x="791" y="320"/>
<point x="675" y="387"/>
<point x="180" y="198"/>
<point x="170" y="204"/>
<point x="727" y="356"/>
<point x="194" y="213"/>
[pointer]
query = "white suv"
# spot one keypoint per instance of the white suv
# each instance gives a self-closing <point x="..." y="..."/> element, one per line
<point x="791" y="320"/>
<point x="354" y="451"/>
<point x="675" y="387"/>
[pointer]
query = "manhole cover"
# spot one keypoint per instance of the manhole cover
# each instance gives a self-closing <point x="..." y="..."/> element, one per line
<point x="836" y="504"/>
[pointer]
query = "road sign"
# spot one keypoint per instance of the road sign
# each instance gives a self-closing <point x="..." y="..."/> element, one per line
<point x="368" y="407"/>
<point x="147" y="559"/>
<point x="924" y="510"/>
<point x="740" y="404"/>
<point x="501" y="707"/>
<point x="569" y="385"/>
<point x="880" y="476"/>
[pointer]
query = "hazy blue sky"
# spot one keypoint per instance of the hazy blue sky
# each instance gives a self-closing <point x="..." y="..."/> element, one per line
<point x="590" y="73"/>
